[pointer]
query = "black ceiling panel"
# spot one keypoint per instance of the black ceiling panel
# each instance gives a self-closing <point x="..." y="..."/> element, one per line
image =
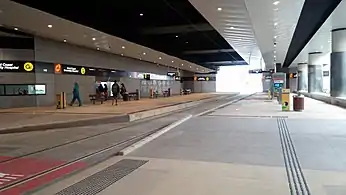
<point x="313" y="15"/>
<point x="158" y="28"/>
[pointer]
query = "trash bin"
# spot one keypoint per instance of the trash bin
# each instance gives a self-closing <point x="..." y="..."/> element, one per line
<point x="61" y="100"/>
<point x="125" y="97"/>
<point x="298" y="103"/>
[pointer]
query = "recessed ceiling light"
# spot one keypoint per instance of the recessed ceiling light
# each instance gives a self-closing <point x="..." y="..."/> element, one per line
<point x="122" y="54"/>
<point x="182" y="64"/>
<point x="219" y="9"/>
<point x="276" y="2"/>
<point x="275" y="37"/>
<point x="65" y="40"/>
<point x="50" y="26"/>
<point x="15" y="28"/>
<point x="160" y="58"/>
<point x="141" y="14"/>
<point x="93" y="38"/>
<point x="275" y="24"/>
<point x="176" y="36"/>
<point x="186" y="42"/>
<point x="98" y="48"/>
<point x="172" y="61"/>
<point x="123" y="47"/>
<point x="274" y="51"/>
<point x="190" y="66"/>
<point x="144" y="53"/>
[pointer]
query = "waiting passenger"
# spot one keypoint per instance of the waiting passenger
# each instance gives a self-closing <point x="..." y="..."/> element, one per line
<point x="115" y="91"/>
<point x="105" y="89"/>
<point x="76" y="95"/>
<point x="122" y="89"/>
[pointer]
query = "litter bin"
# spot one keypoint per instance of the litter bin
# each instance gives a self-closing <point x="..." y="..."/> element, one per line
<point x="61" y="100"/>
<point x="298" y="103"/>
<point x="125" y="97"/>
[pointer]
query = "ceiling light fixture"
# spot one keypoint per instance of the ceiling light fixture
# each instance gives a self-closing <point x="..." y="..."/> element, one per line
<point x="232" y="27"/>
<point x="190" y="66"/>
<point x="182" y="64"/>
<point x="122" y="54"/>
<point x="98" y="48"/>
<point x="144" y="53"/>
<point x="172" y="61"/>
<point x="15" y="28"/>
<point x="275" y="37"/>
<point x="219" y="9"/>
<point x="94" y="38"/>
<point x="276" y="2"/>
<point x="176" y="36"/>
<point x="275" y="24"/>
<point x="141" y="14"/>
<point x="50" y="26"/>
<point x="160" y="58"/>
<point x="123" y="47"/>
<point x="65" y="40"/>
<point x="186" y="42"/>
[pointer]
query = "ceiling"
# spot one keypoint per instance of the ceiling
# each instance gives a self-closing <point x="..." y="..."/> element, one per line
<point x="21" y="18"/>
<point x="256" y="29"/>
<point x="172" y="27"/>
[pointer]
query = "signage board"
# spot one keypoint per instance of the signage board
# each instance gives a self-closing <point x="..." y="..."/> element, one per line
<point x="255" y="71"/>
<point x="326" y="73"/>
<point x="17" y="66"/>
<point x="293" y="75"/>
<point x="171" y="74"/>
<point x="268" y="77"/>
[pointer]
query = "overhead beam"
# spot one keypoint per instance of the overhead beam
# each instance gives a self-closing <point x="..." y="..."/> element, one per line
<point x="208" y="51"/>
<point x="178" y="29"/>
<point x="226" y="63"/>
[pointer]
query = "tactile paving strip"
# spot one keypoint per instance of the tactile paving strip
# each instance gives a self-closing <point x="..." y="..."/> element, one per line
<point x="103" y="179"/>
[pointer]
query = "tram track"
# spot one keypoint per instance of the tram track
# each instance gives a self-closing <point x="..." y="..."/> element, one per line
<point x="114" y="147"/>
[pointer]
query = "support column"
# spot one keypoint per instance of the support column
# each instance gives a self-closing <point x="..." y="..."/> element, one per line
<point x="302" y="77"/>
<point x="338" y="63"/>
<point x="315" y="72"/>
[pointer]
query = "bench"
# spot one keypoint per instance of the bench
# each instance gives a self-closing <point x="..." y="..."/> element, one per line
<point x="96" y="97"/>
<point x="133" y="95"/>
<point x="186" y="92"/>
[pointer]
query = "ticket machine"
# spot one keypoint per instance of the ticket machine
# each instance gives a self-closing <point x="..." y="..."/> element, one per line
<point x="277" y="84"/>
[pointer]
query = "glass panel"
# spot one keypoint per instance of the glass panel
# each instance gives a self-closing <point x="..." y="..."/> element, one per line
<point x="2" y="90"/>
<point x="14" y="90"/>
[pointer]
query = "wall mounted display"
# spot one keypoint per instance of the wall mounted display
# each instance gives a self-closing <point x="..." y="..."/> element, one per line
<point x="17" y="66"/>
<point x="22" y="89"/>
<point x="326" y="73"/>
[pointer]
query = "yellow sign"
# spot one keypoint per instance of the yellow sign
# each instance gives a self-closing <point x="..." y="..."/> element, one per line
<point x="82" y="70"/>
<point x="28" y="66"/>
<point x="285" y="99"/>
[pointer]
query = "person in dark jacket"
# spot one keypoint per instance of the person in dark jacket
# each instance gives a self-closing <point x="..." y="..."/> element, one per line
<point x="115" y="91"/>
<point x="75" y="94"/>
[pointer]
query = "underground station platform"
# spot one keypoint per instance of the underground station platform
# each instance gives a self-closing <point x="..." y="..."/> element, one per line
<point x="240" y="145"/>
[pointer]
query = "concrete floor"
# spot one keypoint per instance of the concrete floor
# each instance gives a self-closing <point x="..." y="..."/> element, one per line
<point x="237" y="150"/>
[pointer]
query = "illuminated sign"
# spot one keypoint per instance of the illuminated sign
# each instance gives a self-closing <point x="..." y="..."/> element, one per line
<point x="293" y="75"/>
<point x="256" y="71"/>
<point x="171" y="74"/>
<point x="16" y="66"/>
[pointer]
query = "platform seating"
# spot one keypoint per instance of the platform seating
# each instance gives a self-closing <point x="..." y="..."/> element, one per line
<point x="96" y="98"/>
